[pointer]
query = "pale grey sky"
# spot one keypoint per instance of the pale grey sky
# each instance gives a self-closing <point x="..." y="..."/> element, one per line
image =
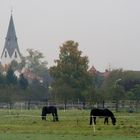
<point x="108" y="31"/>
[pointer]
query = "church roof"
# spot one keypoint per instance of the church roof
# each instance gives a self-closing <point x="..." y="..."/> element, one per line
<point x="11" y="39"/>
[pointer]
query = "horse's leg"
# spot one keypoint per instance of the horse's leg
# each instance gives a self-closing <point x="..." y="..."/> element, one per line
<point x="91" y="117"/>
<point x="106" y="120"/>
<point x="94" y="120"/>
<point x="43" y="116"/>
<point x="56" y="116"/>
<point x="53" y="117"/>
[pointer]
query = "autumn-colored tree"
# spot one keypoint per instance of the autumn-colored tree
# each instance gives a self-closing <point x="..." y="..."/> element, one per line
<point x="71" y="77"/>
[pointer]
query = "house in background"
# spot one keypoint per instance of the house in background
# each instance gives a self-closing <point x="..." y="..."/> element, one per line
<point x="93" y="71"/>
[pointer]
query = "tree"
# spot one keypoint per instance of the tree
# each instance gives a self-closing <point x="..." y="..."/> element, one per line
<point x="11" y="79"/>
<point x="14" y="65"/>
<point x="71" y="77"/>
<point x="34" y="62"/>
<point x="2" y="79"/>
<point x="22" y="64"/>
<point x="3" y="96"/>
<point x="117" y="94"/>
<point x="36" y="92"/>
<point x="23" y="82"/>
<point x="109" y="83"/>
<point x="38" y="66"/>
<point x="136" y="94"/>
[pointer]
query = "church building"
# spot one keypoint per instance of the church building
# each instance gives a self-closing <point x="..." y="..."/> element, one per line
<point x="11" y="49"/>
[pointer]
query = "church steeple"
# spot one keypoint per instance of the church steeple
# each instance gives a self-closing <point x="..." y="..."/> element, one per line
<point x="11" y="50"/>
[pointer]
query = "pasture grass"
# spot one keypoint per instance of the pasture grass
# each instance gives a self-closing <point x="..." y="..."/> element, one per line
<point x="61" y="137"/>
<point x="73" y="124"/>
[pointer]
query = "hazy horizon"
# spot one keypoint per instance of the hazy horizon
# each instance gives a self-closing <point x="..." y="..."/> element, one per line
<point x="108" y="31"/>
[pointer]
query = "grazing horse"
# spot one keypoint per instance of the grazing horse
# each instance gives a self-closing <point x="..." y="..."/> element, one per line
<point x="106" y="113"/>
<point x="49" y="110"/>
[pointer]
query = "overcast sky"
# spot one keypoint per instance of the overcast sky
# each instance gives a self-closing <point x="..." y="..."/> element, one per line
<point x="108" y="31"/>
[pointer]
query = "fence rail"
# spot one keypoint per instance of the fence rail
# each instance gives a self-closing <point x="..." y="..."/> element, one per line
<point x="123" y="105"/>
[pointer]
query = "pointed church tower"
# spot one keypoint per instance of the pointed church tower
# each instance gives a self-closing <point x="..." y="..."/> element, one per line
<point x="11" y="50"/>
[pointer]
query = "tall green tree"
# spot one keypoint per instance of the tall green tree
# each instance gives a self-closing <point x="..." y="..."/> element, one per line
<point x="2" y="79"/>
<point x="136" y="92"/>
<point x="71" y="77"/>
<point x="111" y="82"/>
<point x="11" y="79"/>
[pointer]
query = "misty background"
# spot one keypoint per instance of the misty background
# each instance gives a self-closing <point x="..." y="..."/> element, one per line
<point x="108" y="31"/>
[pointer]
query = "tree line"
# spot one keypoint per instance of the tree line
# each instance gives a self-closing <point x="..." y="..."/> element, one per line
<point x="69" y="80"/>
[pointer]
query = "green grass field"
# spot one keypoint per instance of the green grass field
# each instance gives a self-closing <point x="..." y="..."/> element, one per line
<point x="73" y="124"/>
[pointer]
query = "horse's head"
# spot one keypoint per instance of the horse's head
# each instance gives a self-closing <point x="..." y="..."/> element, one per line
<point x="113" y="120"/>
<point x="43" y="115"/>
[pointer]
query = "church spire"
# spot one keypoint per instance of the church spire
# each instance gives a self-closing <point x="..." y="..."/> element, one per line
<point x="11" y="50"/>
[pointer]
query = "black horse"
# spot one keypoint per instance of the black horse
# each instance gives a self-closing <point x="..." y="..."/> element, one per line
<point x="49" y="110"/>
<point x="106" y="113"/>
